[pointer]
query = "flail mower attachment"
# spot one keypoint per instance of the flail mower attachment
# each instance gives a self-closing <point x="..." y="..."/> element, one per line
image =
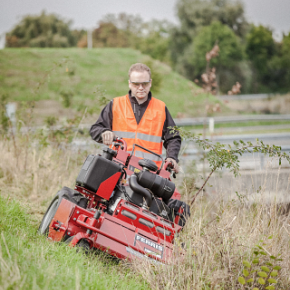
<point x="121" y="204"/>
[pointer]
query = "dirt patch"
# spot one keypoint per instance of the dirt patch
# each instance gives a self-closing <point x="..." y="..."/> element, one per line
<point x="274" y="105"/>
<point x="46" y="108"/>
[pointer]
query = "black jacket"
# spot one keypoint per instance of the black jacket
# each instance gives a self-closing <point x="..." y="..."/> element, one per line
<point x="171" y="142"/>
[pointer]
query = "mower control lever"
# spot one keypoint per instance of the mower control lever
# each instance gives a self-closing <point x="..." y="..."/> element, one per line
<point x="169" y="167"/>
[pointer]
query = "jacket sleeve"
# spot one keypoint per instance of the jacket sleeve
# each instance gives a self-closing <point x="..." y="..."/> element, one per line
<point x="104" y="123"/>
<point x="172" y="141"/>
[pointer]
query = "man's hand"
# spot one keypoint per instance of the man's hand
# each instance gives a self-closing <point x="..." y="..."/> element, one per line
<point x="174" y="163"/>
<point x="108" y="137"/>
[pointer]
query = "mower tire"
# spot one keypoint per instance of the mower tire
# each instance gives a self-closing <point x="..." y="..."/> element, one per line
<point x="83" y="245"/>
<point x="66" y="193"/>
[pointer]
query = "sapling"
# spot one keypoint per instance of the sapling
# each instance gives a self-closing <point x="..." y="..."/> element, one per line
<point x="221" y="156"/>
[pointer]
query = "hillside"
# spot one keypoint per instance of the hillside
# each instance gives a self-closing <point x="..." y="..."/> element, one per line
<point x="81" y="76"/>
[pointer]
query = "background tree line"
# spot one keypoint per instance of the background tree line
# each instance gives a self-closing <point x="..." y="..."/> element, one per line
<point x="248" y="53"/>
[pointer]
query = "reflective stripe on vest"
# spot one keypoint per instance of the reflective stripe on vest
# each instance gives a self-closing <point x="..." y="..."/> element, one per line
<point x="145" y="137"/>
<point x="148" y="133"/>
<point x="146" y="155"/>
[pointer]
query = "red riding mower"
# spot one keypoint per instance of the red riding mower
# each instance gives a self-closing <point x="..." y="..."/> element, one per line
<point x="121" y="204"/>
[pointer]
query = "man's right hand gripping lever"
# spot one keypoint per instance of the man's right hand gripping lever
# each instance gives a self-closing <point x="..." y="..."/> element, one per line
<point x="108" y="137"/>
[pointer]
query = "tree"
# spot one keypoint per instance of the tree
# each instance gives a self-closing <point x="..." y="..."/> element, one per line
<point x="45" y="30"/>
<point x="123" y="25"/>
<point x="193" y="61"/>
<point x="108" y="35"/>
<point x="277" y="75"/>
<point x="196" y="13"/>
<point x="223" y="20"/>
<point x="155" y="40"/>
<point x="125" y="30"/>
<point x="260" y="47"/>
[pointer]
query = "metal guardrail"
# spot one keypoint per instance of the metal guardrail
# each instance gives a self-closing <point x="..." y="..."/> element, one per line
<point x="246" y="97"/>
<point x="195" y="151"/>
<point x="232" y="119"/>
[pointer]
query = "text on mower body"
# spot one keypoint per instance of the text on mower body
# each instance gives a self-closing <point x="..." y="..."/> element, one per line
<point x="148" y="242"/>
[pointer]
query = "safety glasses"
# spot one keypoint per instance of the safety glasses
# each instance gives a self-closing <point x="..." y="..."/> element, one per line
<point x="143" y="84"/>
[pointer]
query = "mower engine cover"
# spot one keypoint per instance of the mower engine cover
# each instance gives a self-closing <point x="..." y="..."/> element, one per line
<point x="95" y="170"/>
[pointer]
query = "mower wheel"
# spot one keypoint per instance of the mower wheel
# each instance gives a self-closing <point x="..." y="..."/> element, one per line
<point x="66" y="193"/>
<point x="84" y="246"/>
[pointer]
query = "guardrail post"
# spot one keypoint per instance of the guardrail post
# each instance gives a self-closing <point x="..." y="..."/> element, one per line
<point x="211" y="125"/>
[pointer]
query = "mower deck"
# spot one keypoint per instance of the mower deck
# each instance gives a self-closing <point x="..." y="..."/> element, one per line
<point x="130" y="231"/>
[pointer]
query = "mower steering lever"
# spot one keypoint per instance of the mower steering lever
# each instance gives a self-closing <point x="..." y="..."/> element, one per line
<point x="169" y="167"/>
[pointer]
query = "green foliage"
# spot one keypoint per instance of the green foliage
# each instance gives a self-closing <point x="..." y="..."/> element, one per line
<point x="4" y="120"/>
<point x="196" y="13"/>
<point x="108" y="35"/>
<point x="260" y="269"/>
<point x="155" y="40"/>
<point x="45" y="30"/>
<point x="131" y="26"/>
<point x="125" y="30"/>
<point x="66" y="98"/>
<point x="193" y="61"/>
<point x="278" y="74"/>
<point x="263" y="67"/>
<point x="260" y="47"/>
<point x="203" y="23"/>
<point x="221" y="156"/>
<point x="227" y="156"/>
<point x="51" y="121"/>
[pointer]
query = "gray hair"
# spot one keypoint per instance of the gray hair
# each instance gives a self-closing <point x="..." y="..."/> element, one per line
<point x="139" y="67"/>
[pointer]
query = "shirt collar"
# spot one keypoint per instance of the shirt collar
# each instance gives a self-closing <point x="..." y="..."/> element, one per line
<point x="133" y="99"/>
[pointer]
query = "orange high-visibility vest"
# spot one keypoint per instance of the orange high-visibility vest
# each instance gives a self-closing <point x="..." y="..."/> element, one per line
<point x="147" y="133"/>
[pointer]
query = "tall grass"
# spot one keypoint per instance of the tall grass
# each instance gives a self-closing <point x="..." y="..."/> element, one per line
<point x="221" y="236"/>
<point x="210" y="252"/>
<point x="27" y="260"/>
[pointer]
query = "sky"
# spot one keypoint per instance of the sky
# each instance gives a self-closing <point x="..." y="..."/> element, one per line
<point x="86" y="13"/>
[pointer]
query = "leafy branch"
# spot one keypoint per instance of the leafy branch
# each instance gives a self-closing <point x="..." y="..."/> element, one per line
<point x="262" y="271"/>
<point x="221" y="156"/>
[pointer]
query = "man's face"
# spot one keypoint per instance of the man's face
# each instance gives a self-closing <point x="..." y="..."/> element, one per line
<point x="140" y="84"/>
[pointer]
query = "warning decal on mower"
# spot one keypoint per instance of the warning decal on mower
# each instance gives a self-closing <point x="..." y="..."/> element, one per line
<point x="134" y="169"/>
<point x="158" y="250"/>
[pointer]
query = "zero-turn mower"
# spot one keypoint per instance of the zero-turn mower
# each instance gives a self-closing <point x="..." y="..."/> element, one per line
<point x="121" y="204"/>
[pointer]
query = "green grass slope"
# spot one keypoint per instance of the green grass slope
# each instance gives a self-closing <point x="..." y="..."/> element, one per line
<point x="82" y="75"/>
<point x="29" y="261"/>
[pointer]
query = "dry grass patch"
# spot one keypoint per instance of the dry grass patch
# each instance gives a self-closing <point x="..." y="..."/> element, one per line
<point x="35" y="173"/>
<point x="218" y="241"/>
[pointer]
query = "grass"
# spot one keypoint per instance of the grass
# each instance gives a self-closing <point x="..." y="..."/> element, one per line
<point x="85" y="75"/>
<point x="29" y="261"/>
<point x="32" y="170"/>
<point x="223" y="231"/>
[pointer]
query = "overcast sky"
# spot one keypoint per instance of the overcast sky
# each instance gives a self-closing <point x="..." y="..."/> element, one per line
<point x="86" y="13"/>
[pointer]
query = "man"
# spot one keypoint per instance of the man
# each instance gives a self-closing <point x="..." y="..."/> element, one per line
<point x="139" y="118"/>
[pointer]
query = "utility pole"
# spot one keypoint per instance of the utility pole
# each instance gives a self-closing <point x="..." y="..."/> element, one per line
<point x="90" y="38"/>
<point x="2" y="40"/>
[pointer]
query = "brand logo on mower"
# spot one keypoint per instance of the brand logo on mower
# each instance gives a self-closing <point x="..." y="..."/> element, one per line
<point x="148" y="242"/>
